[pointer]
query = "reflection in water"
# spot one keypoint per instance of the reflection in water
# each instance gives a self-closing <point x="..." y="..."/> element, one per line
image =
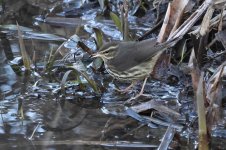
<point x="79" y="122"/>
<point x="7" y="75"/>
<point x="52" y="121"/>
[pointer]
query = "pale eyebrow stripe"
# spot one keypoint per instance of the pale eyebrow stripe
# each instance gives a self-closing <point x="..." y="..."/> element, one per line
<point x="111" y="47"/>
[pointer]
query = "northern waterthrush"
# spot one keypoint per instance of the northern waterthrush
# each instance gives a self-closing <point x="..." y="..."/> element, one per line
<point x="131" y="60"/>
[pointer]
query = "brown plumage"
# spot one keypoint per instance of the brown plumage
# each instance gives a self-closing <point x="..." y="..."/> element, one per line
<point x="131" y="60"/>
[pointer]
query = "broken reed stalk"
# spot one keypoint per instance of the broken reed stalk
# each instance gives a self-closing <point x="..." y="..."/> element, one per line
<point x="200" y="98"/>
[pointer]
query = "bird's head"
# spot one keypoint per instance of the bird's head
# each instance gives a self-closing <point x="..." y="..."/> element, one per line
<point x="107" y="51"/>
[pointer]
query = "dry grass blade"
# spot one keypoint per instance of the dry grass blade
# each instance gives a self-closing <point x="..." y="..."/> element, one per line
<point x="154" y="105"/>
<point x="206" y="21"/>
<point x="150" y="120"/>
<point x="98" y="143"/>
<point x="172" y="19"/>
<point x="163" y="123"/>
<point x="215" y="96"/>
<point x="182" y="50"/>
<point x="168" y="137"/>
<point x="26" y="59"/>
<point x="214" y="22"/>
<point x="195" y="71"/>
<point x="214" y="81"/>
<point x="64" y="79"/>
<point x="186" y="26"/>
<point x="200" y="96"/>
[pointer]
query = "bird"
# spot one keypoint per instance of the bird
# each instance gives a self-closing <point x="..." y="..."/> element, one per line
<point x="132" y="60"/>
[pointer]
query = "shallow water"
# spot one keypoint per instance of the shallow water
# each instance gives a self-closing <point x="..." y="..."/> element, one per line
<point x="35" y="115"/>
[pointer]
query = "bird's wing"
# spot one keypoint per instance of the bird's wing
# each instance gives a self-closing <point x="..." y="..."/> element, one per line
<point x="133" y="54"/>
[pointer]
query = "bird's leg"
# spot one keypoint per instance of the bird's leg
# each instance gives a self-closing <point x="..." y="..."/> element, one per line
<point x="140" y="93"/>
<point x="142" y="89"/>
<point x="127" y="88"/>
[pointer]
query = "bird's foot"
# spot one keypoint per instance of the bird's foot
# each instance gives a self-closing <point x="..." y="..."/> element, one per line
<point x="133" y="99"/>
<point x="138" y="95"/>
<point x="127" y="89"/>
<point x="123" y="91"/>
